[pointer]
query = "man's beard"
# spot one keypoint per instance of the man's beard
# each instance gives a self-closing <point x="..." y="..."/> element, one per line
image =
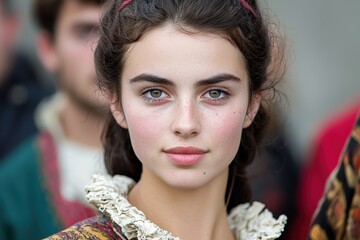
<point x="94" y="106"/>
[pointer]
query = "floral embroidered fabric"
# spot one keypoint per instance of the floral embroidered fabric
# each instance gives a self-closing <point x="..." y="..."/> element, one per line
<point x="338" y="215"/>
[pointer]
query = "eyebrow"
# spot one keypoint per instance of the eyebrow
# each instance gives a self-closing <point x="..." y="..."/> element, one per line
<point x="217" y="79"/>
<point x="151" y="78"/>
<point x="208" y="81"/>
<point x="83" y="24"/>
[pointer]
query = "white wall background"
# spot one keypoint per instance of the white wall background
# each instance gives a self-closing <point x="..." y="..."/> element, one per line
<point x="325" y="72"/>
<point x="28" y="34"/>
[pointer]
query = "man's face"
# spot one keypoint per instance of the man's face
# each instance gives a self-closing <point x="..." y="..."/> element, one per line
<point x="74" y="43"/>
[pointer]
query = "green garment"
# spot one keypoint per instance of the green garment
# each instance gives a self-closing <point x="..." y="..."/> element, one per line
<point x="24" y="211"/>
<point x="31" y="206"/>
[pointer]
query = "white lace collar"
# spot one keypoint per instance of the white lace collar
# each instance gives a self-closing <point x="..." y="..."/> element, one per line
<point x="109" y="195"/>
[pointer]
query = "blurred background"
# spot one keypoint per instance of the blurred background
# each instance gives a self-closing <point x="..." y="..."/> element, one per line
<point x="323" y="73"/>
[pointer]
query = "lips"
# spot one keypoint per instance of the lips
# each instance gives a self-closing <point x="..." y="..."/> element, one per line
<point x="185" y="156"/>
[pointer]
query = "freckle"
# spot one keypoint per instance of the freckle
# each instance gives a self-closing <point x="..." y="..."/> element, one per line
<point x="204" y="173"/>
<point x="234" y="112"/>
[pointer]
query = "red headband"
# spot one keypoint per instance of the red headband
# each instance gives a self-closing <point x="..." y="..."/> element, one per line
<point x="124" y="4"/>
<point x="243" y="2"/>
<point x="248" y="7"/>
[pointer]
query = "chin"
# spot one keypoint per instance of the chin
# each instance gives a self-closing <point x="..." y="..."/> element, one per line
<point x="187" y="181"/>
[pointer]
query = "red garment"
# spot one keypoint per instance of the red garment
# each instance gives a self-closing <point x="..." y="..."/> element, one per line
<point x="323" y="159"/>
<point x="338" y="214"/>
<point x="68" y="212"/>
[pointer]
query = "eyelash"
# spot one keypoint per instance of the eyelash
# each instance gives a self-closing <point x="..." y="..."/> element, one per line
<point x="222" y="91"/>
<point x="152" y="99"/>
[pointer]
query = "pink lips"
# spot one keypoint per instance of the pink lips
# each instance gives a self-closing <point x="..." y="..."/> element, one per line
<point x="185" y="156"/>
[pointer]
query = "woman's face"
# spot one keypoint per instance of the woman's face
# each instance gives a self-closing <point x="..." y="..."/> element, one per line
<point x="185" y="102"/>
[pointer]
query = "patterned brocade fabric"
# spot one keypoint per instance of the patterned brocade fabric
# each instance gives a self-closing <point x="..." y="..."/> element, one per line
<point x="338" y="214"/>
<point x="96" y="228"/>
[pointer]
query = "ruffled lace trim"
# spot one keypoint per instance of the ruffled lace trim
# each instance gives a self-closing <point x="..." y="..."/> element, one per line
<point x="255" y="222"/>
<point x="109" y="195"/>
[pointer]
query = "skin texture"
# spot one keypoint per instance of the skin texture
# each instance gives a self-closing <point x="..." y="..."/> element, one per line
<point x="184" y="110"/>
<point x="70" y="55"/>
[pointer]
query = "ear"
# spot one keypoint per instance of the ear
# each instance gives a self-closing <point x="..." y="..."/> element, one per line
<point x="46" y="51"/>
<point x="117" y="112"/>
<point x="252" y="110"/>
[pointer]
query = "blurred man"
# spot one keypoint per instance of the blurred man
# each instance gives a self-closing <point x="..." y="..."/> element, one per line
<point x="42" y="181"/>
<point x="20" y="88"/>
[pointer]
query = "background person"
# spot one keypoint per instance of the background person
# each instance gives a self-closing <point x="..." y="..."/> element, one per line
<point x="42" y="181"/>
<point x="20" y="87"/>
<point x="338" y="213"/>
<point x="322" y="160"/>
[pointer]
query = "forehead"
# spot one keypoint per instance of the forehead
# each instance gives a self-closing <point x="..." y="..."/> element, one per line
<point x="168" y="52"/>
<point x="79" y="10"/>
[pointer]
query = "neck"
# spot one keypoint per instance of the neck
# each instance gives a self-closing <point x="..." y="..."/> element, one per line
<point x="188" y="214"/>
<point x="81" y="125"/>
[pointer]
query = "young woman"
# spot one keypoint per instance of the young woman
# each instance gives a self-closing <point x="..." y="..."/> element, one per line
<point x="187" y="82"/>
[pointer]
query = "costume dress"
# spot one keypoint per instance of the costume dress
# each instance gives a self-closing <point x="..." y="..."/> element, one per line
<point x="338" y="214"/>
<point x="118" y="219"/>
<point x="323" y="159"/>
<point x="41" y="182"/>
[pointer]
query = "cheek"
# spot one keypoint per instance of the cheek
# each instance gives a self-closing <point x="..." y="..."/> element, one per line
<point x="75" y="51"/>
<point x="145" y="131"/>
<point x="68" y="61"/>
<point x="228" y="130"/>
<point x="67" y="72"/>
<point x="76" y="70"/>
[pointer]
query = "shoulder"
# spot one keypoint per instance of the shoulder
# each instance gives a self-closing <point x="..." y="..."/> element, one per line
<point x="97" y="228"/>
<point x="23" y="199"/>
<point x="23" y="157"/>
<point x="20" y="173"/>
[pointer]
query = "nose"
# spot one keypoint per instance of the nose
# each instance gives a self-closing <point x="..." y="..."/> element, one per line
<point x="186" y="121"/>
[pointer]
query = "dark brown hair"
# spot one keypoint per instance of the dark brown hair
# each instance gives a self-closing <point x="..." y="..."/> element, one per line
<point x="230" y="19"/>
<point x="46" y="12"/>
